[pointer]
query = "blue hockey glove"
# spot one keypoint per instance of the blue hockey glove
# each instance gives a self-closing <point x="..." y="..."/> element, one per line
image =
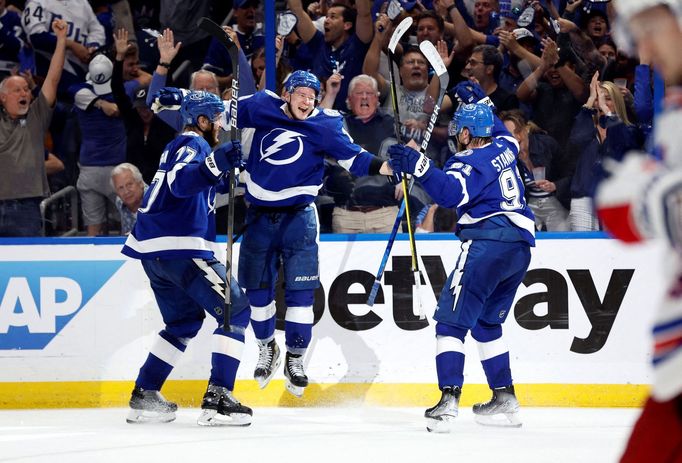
<point x="405" y="160"/>
<point x="224" y="158"/>
<point x="168" y="98"/>
<point x="468" y="92"/>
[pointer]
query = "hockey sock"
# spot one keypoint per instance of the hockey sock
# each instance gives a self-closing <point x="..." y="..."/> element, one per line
<point x="298" y="326"/>
<point x="162" y="357"/>
<point x="263" y="311"/>
<point x="450" y="355"/>
<point x="227" y="354"/>
<point x="494" y="354"/>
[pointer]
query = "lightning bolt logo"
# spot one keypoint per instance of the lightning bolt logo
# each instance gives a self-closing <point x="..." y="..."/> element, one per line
<point x="279" y="141"/>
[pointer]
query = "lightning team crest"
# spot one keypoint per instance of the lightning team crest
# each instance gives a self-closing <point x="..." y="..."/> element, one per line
<point x="281" y="146"/>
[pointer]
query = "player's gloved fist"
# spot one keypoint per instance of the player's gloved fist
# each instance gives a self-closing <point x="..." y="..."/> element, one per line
<point x="654" y="209"/>
<point x="468" y="92"/>
<point x="405" y="160"/>
<point x="168" y="98"/>
<point x="224" y="158"/>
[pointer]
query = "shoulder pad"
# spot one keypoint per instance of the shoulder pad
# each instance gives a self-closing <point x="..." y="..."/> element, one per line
<point x="465" y="153"/>
<point x="331" y="112"/>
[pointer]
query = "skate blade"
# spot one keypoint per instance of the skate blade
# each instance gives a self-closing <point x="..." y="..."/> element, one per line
<point x="263" y="381"/>
<point x="213" y="418"/>
<point x="145" y="416"/>
<point x="443" y="424"/>
<point x="295" y="390"/>
<point x="503" y="420"/>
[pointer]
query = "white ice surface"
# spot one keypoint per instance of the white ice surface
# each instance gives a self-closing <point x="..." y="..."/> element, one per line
<point x="320" y="435"/>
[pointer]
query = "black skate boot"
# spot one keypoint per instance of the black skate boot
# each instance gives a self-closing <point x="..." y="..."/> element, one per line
<point x="220" y="408"/>
<point x="501" y="410"/>
<point x="150" y="407"/>
<point x="269" y="360"/>
<point x="440" y="417"/>
<point x="297" y="381"/>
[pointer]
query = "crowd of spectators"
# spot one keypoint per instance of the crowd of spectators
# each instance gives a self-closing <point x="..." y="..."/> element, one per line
<point x="551" y="67"/>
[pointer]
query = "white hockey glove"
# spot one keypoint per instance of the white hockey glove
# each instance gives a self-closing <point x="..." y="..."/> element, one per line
<point x="641" y="200"/>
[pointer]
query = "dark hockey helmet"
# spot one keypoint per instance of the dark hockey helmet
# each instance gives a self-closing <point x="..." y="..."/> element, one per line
<point x="476" y="117"/>
<point x="201" y="103"/>
<point x="303" y="79"/>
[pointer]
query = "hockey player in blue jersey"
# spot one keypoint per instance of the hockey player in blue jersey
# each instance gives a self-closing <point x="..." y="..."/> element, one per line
<point x="174" y="237"/>
<point x="496" y="229"/>
<point x="283" y="176"/>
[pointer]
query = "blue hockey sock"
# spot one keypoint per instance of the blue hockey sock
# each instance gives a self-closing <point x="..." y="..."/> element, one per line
<point x="162" y="357"/>
<point x="494" y="354"/>
<point x="227" y="354"/>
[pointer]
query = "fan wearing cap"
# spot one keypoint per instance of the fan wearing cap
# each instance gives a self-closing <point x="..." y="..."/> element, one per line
<point x="23" y="123"/>
<point x="103" y="143"/>
<point x="339" y="50"/>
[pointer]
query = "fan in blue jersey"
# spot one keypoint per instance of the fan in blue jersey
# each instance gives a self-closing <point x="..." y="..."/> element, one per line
<point x="174" y="237"/>
<point x="496" y="229"/>
<point x="283" y="175"/>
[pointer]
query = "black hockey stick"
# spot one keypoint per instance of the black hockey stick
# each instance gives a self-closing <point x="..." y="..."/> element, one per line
<point x="437" y="64"/>
<point x="221" y="36"/>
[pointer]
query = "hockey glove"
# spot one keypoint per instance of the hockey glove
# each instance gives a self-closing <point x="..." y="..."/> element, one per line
<point x="641" y="200"/>
<point x="468" y="92"/>
<point x="405" y="160"/>
<point x="168" y="98"/>
<point x="224" y="158"/>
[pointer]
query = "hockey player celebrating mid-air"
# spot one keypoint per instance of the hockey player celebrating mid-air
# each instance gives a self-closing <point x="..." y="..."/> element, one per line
<point x="496" y="229"/>
<point x="174" y="237"/>
<point x="283" y="176"/>
<point x="642" y="200"/>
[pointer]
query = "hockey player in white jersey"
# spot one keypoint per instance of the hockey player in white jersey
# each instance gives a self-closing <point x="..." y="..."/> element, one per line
<point x="175" y="239"/>
<point x="496" y="229"/>
<point x="642" y="200"/>
<point x="85" y="34"/>
<point x="283" y="176"/>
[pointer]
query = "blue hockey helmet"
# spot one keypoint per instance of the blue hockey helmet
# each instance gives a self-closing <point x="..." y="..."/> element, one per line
<point x="196" y="104"/>
<point x="303" y="79"/>
<point x="476" y="117"/>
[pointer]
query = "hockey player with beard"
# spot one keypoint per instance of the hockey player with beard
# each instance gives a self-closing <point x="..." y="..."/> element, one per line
<point x="642" y="200"/>
<point x="174" y="238"/>
<point x="496" y="229"/>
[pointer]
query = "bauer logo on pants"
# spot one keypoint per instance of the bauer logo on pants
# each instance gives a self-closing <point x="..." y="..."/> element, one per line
<point x="38" y="299"/>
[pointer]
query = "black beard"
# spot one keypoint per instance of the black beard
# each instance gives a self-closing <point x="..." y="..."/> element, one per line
<point x="209" y="137"/>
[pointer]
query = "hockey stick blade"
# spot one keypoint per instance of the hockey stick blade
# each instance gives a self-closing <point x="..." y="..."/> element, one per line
<point x="436" y="62"/>
<point x="398" y="33"/>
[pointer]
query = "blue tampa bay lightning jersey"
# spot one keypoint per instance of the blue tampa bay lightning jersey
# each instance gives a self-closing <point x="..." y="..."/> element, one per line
<point x="286" y="162"/>
<point x="485" y="186"/>
<point x="177" y="215"/>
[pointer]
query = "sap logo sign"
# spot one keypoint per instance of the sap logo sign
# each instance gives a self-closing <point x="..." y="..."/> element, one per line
<point x="38" y="299"/>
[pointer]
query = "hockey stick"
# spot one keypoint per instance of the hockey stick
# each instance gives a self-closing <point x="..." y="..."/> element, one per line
<point x="235" y="134"/>
<point x="437" y="64"/>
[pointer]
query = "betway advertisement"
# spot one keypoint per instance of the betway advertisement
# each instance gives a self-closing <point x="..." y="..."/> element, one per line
<point x="83" y="312"/>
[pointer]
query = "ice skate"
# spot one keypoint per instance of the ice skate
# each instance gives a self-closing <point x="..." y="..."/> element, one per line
<point x="501" y="410"/>
<point x="220" y="408"/>
<point x="441" y="416"/>
<point x="269" y="360"/>
<point x="295" y="375"/>
<point x="150" y="407"/>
